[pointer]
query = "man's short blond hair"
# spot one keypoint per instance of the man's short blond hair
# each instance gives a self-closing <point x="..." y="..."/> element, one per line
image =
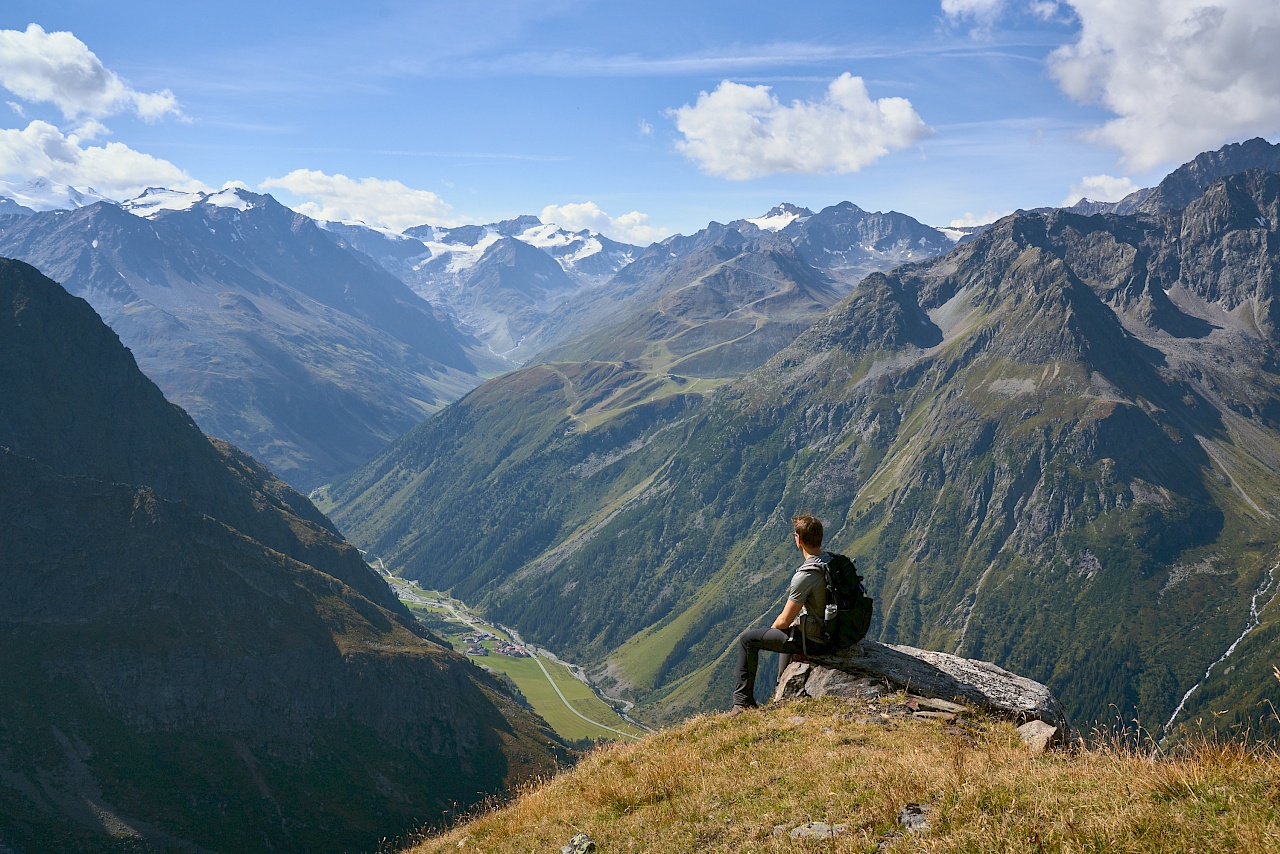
<point x="808" y="529"/>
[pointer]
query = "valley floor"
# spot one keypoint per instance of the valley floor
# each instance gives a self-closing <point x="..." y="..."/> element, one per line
<point x="754" y="782"/>
<point x="566" y="702"/>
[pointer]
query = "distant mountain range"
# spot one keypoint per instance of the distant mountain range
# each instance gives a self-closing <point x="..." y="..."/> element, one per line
<point x="250" y="317"/>
<point x="40" y="194"/>
<point x="312" y="345"/>
<point x="194" y="659"/>
<point x="498" y="281"/>
<point x="1055" y="446"/>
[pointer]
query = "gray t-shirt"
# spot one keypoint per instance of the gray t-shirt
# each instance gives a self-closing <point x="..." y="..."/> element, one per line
<point x="809" y="588"/>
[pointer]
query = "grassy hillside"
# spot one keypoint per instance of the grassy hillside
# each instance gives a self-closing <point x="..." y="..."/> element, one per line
<point x="720" y="784"/>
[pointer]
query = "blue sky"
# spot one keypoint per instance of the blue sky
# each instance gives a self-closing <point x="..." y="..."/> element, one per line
<point x="640" y="119"/>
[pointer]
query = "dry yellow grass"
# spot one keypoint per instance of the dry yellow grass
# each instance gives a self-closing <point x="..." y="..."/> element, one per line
<point x="720" y="784"/>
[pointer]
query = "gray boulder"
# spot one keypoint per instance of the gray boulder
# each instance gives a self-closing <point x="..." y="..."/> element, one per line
<point x="871" y="669"/>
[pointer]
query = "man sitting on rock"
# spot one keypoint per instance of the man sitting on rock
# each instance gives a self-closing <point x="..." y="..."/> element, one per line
<point x="798" y="629"/>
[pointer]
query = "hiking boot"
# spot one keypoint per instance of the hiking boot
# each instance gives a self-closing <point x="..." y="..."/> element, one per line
<point x="737" y="710"/>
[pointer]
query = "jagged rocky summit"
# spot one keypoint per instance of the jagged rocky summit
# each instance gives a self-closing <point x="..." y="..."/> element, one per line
<point x="870" y="669"/>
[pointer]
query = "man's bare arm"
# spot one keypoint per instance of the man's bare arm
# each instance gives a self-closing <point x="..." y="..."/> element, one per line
<point x="788" y="615"/>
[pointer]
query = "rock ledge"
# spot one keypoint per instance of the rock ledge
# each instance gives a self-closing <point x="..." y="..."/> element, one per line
<point x="870" y="669"/>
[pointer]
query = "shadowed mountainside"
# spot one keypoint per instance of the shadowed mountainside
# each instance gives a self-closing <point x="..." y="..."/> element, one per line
<point x="194" y="659"/>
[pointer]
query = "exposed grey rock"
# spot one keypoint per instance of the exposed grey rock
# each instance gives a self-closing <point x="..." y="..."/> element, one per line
<point x="1038" y="735"/>
<point x="1184" y="184"/>
<point x="826" y="682"/>
<point x="579" y="844"/>
<point x="912" y="817"/>
<point x="818" y="830"/>
<point x="927" y="674"/>
<point x="932" y="704"/>
<point x="945" y="717"/>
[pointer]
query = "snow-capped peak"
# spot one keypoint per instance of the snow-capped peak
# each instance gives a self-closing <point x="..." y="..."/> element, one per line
<point x="156" y="199"/>
<point x="338" y="225"/>
<point x="547" y="236"/>
<point x="229" y="198"/>
<point x="780" y="217"/>
<point x="41" y="194"/>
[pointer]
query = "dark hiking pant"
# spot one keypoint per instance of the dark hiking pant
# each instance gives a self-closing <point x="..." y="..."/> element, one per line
<point x="750" y="643"/>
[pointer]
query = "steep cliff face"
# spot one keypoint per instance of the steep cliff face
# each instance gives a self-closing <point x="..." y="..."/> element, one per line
<point x="1055" y="447"/>
<point x="194" y="659"/>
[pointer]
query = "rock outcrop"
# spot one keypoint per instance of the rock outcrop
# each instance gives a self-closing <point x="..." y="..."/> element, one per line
<point x="870" y="669"/>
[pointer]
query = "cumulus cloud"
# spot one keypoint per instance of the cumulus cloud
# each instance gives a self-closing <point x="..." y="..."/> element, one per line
<point x="1099" y="188"/>
<point x="742" y="132"/>
<point x="1181" y="76"/>
<point x="374" y="201"/>
<point x="113" y="169"/>
<point x="60" y="69"/>
<point x="633" y="227"/>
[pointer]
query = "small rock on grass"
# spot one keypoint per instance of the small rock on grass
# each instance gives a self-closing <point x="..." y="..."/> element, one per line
<point x="1037" y="735"/>
<point x="818" y="830"/>
<point x="934" y="704"/>
<point x="945" y="717"/>
<point x="579" y="844"/>
<point x="912" y="817"/>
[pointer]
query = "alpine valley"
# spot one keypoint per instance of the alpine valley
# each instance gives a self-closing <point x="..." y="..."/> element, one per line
<point x="1055" y="447"/>
<point x="1052" y="443"/>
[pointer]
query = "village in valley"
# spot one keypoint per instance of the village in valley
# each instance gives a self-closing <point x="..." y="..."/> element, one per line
<point x="555" y="689"/>
<point x="476" y="645"/>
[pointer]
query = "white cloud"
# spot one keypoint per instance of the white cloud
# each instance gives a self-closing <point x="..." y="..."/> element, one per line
<point x="980" y="10"/>
<point x="970" y="219"/>
<point x="1100" y="188"/>
<point x="1181" y="76"/>
<point x="1045" y="10"/>
<point x="628" y="228"/>
<point x="374" y="201"/>
<point x="645" y="128"/>
<point x="60" y="69"/>
<point x="41" y="150"/>
<point x="91" y="129"/>
<point x="742" y="132"/>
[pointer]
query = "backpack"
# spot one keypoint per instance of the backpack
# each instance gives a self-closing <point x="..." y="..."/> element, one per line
<point x="848" y="614"/>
